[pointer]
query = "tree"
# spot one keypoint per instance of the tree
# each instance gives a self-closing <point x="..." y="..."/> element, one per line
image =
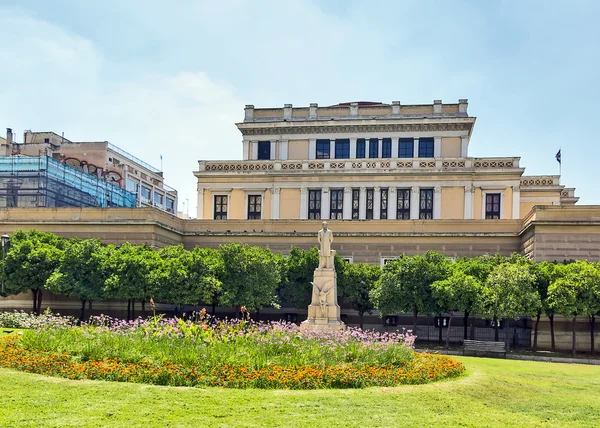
<point x="81" y="272"/>
<point x="296" y="289"/>
<point x="32" y="258"/>
<point x="543" y="272"/>
<point x="509" y="291"/>
<point x="457" y="292"/>
<point x="206" y="270"/>
<point x="134" y="271"/>
<point x="404" y="285"/>
<point x="356" y="284"/>
<point x="251" y="276"/>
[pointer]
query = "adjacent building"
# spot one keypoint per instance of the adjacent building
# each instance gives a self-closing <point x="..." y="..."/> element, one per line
<point x="99" y="159"/>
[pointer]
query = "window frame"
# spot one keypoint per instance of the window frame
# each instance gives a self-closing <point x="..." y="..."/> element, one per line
<point x="370" y="195"/>
<point x="336" y="196"/>
<point x="426" y="147"/>
<point x="360" y="148"/>
<point x="323" y="149"/>
<point x="383" y="203"/>
<point x="386" y="148"/>
<point x="316" y="212"/>
<point x="373" y="148"/>
<point x="406" y="142"/>
<point x="342" y="148"/>
<point x="425" y="213"/>
<point x="251" y="203"/>
<point x="220" y="213"/>
<point x="489" y="214"/>
<point x="403" y="195"/>
<point x="355" y="204"/>
<point x="264" y="152"/>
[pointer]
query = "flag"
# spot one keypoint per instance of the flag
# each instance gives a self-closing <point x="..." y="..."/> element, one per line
<point x="558" y="156"/>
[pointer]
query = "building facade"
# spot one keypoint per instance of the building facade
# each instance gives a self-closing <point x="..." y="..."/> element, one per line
<point x="100" y="159"/>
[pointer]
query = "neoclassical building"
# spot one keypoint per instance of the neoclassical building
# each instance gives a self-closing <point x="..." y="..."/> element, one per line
<point x="384" y="171"/>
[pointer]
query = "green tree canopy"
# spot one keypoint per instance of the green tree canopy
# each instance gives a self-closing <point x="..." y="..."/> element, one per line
<point x="356" y="283"/>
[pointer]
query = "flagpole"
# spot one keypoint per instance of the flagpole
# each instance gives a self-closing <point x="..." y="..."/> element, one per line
<point x="560" y="165"/>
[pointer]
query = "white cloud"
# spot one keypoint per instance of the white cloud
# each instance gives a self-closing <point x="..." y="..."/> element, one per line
<point x="57" y="83"/>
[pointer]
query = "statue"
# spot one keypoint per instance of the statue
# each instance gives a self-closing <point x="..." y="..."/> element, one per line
<point x="326" y="254"/>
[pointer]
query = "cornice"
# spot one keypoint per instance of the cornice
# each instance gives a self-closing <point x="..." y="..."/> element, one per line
<point x="355" y="128"/>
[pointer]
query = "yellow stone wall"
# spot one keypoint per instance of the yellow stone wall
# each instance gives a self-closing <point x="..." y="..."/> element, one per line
<point x="453" y="200"/>
<point x="451" y="147"/>
<point x="289" y="204"/>
<point x="507" y="208"/>
<point x="477" y="195"/>
<point x="298" y="149"/>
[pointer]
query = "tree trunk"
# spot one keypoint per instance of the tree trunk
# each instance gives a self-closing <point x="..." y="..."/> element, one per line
<point x="440" y="339"/>
<point x="448" y="332"/>
<point x="362" y="319"/>
<point x="535" y="331"/>
<point x="496" y="330"/>
<point x="144" y="308"/>
<point x="132" y="309"/>
<point x="82" y="314"/>
<point x="552" y="342"/>
<point x="34" y="295"/>
<point x="39" y="302"/>
<point x="415" y="312"/>
<point x="128" y="309"/>
<point x="466" y="327"/>
<point x="507" y="334"/>
<point x="592" y="331"/>
<point x="573" y="328"/>
<point x="214" y="308"/>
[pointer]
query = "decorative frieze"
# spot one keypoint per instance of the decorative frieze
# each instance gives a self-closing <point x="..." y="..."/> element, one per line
<point x="365" y="128"/>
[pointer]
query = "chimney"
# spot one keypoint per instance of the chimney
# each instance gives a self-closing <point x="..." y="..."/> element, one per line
<point x="396" y="108"/>
<point x="354" y="109"/>
<point x="312" y="110"/>
<point x="249" y="113"/>
<point x="462" y="107"/>
<point x="437" y="107"/>
<point x="9" y="136"/>
<point x="287" y="111"/>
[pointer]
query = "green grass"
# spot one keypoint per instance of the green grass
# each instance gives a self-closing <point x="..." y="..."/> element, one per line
<point x="8" y="331"/>
<point x="493" y="393"/>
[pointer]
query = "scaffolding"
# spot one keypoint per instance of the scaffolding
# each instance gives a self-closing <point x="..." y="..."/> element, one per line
<point x="41" y="181"/>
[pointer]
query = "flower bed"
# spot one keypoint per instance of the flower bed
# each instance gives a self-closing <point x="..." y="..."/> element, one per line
<point x="238" y="354"/>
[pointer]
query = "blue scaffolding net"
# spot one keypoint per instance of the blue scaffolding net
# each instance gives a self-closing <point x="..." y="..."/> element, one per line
<point x="41" y="181"/>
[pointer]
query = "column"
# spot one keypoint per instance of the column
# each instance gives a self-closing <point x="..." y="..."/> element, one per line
<point x="331" y="149"/>
<point x="283" y="149"/>
<point x="394" y="148"/>
<point x="245" y="150"/>
<point x="312" y="148"/>
<point x="254" y="145"/>
<point x="414" y="203"/>
<point x="353" y="148"/>
<point x="275" y="203"/>
<point x="303" y="203"/>
<point x="437" y="202"/>
<point x="325" y="205"/>
<point x="273" y="150"/>
<point x="377" y="203"/>
<point x="469" y="189"/>
<point x="464" y="147"/>
<point x="362" y="204"/>
<point x="437" y="147"/>
<point x="392" y="203"/>
<point x="416" y="147"/>
<point x="200" y="209"/>
<point x="516" y="207"/>
<point x="347" y="213"/>
<point x="367" y="147"/>
<point x="379" y="147"/>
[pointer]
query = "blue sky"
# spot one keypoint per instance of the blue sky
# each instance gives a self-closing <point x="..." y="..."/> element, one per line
<point x="172" y="78"/>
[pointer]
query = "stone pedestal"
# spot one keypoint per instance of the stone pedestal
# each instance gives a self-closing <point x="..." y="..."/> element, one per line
<point x="324" y="311"/>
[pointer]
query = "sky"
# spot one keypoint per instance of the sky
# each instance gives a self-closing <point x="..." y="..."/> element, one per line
<point x="172" y="78"/>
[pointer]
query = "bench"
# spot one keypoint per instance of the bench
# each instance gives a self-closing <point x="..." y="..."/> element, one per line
<point x="484" y="348"/>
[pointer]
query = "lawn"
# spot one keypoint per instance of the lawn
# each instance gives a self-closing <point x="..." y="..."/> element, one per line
<point x="493" y="393"/>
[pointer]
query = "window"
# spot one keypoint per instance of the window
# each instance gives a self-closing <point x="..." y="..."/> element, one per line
<point x="314" y="204"/>
<point x="373" y="147"/>
<point x="403" y="204"/>
<point x="220" y="207"/>
<point x="370" y="194"/>
<point x="254" y="207"/>
<point x="323" y="149"/>
<point x="405" y="148"/>
<point x="132" y="186"/>
<point x="385" y="260"/>
<point x="425" y="147"/>
<point x="145" y="193"/>
<point x="336" y="204"/>
<point x="158" y="198"/>
<point x="492" y="206"/>
<point x="384" y="204"/>
<point x="264" y="150"/>
<point x="386" y="148"/>
<point x="342" y="149"/>
<point x="360" y="148"/>
<point x="390" y="321"/>
<point x="171" y="205"/>
<point x="355" y="204"/>
<point x="426" y="204"/>
<point x="347" y="259"/>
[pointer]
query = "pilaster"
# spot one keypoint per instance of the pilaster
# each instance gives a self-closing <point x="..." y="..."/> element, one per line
<point x="362" y="204"/>
<point x="347" y="211"/>
<point x="325" y="204"/>
<point x="200" y="209"/>
<point x="469" y="190"/>
<point x="254" y="145"/>
<point x="353" y="148"/>
<point x="414" y="203"/>
<point x="516" y="200"/>
<point x="437" y="202"/>
<point x="392" y="203"/>
<point x="312" y="148"/>
<point x="437" y="147"/>
<point x="303" y="203"/>
<point x="275" y="203"/>
<point x="283" y="149"/>
<point x="377" y="203"/>
<point x="416" y="147"/>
